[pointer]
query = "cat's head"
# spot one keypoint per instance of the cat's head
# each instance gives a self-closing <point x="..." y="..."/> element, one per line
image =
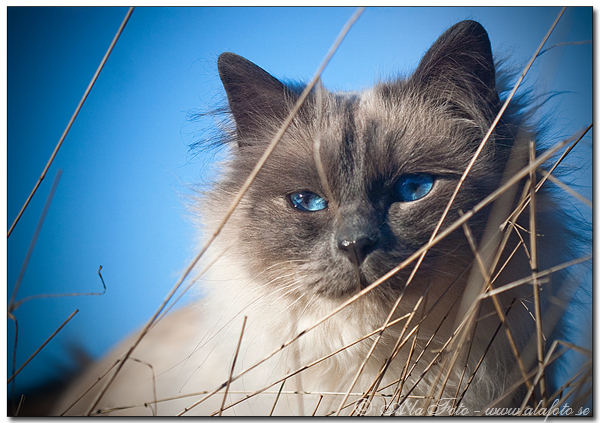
<point x="335" y="220"/>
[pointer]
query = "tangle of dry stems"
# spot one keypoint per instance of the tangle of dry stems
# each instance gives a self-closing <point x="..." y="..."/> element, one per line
<point x="467" y="317"/>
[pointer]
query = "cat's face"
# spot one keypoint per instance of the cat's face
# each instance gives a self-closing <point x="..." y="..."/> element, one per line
<point x="391" y="158"/>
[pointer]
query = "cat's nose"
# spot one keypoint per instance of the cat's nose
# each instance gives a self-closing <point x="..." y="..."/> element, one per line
<point x="357" y="248"/>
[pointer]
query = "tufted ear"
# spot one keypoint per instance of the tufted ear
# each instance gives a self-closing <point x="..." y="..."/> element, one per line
<point x="255" y="97"/>
<point x="461" y="57"/>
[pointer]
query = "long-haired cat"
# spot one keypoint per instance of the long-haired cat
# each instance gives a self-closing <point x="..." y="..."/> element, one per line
<point x="356" y="186"/>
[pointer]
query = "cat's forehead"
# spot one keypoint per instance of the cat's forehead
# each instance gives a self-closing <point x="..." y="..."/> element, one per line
<point x="368" y="139"/>
<point x="387" y="126"/>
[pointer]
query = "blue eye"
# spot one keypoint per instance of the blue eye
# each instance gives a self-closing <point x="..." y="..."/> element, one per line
<point x="413" y="186"/>
<point x="307" y="201"/>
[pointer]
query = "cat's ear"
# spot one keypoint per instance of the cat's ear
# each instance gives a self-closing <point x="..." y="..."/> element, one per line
<point x="461" y="56"/>
<point x="256" y="98"/>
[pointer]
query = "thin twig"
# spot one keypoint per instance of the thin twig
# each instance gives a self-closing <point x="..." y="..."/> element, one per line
<point x="525" y="201"/>
<point x="317" y="144"/>
<point x="42" y="346"/>
<point x="66" y="131"/>
<point x="34" y="238"/>
<point x="277" y="397"/>
<point x="534" y="269"/>
<point x="318" y="403"/>
<point x="509" y="391"/>
<point x="90" y="388"/>
<point x="155" y="410"/>
<point x="571" y="43"/>
<point x="481" y="359"/>
<point x="569" y="383"/>
<point x="401" y="342"/>
<point x="567" y="188"/>
<point x="20" y="406"/>
<point x="287" y="376"/>
<point x="540" y="274"/>
<point x="237" y="350"/>
<point x="14" y="358"/>
<point x="539" y="377"/>
<point x="375" y="343"/>
<point x="495" y="301"/>
<point x="189" y="286"/>
<point x="72" y="294"/>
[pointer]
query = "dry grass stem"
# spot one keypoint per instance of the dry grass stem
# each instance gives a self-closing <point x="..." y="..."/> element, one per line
<point x="567" y="188"/>
<point x="480" y="360"/>
<point x="444" y="364"/>
<point x="525" y="201"/>
<point x="11" y="303"/>
<point x="541" y="274"/>
<point x="540" y="372"/>
<point x="277" y="397"/>
<point x="536" y="285"/>
<point x="571" y="43"/>
<point x="20" y="405"/>
<point x="89" y="388"/>
<point x="42" y="346"/>
<point x="70" y="294"/>
<point x="318" y="403"/>
<point x="155" y="402"/>
<point x="317" y="143"/>
<point x="237" y="350"/>
<point x="288" y="375"/>
<point x="66" y="131"/>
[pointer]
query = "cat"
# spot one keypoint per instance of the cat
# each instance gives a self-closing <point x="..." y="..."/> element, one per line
<point x="318" y="225"/>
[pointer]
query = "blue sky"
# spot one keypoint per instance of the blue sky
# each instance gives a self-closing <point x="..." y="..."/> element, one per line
<point x="126" y="162"/>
